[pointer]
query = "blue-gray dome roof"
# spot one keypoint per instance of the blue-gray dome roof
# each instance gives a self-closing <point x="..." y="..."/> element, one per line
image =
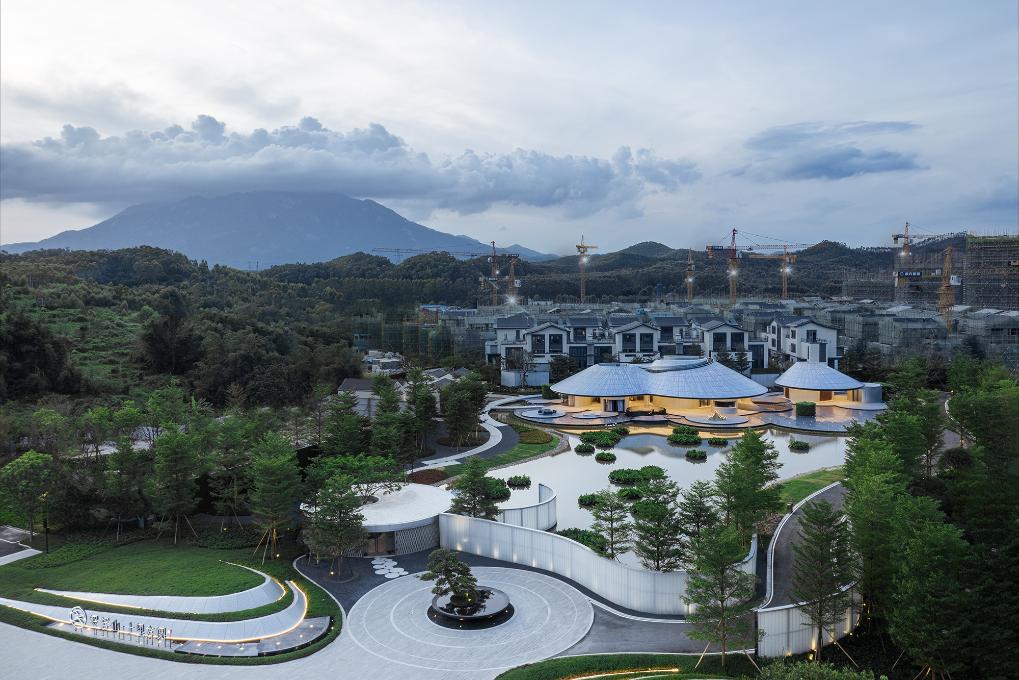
<point x="679" y="377"/>
<point x="813" y="375"/>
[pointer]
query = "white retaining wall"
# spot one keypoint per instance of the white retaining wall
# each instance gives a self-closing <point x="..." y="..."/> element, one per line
<point x="541" y="516"/>
<point x="634" y="588"/>
<point x="786" y="630"/>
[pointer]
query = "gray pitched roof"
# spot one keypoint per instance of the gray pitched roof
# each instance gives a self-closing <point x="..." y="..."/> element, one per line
<point x="584" y="321"/>
<point x="356" y="385"/>
<point x="515" y="321"/>
<point x="680" y="377"/>
<point x="814" y="375"/>
<point x="631" y="326"/>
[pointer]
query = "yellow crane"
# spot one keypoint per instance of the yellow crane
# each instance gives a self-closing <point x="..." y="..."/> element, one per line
<point x="689" y="275"/>
<point x="946" y="293"/>
<point x="582" y="250"/>
<point x="785" y="269"/>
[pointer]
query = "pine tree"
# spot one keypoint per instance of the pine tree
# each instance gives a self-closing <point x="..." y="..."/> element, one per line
<point x="696" y="511"/>
<point x="345" y="427"/>
<point x="472" y="491"/>
<point x="742" y="480"/>
<point x="822" y="568"/>
<point x="656" y="531"/>
<point x="275" y="487"/>
<point x="610" y="520"/>
<point x="178" y="464"/>
<point x="336" y="525"/>
<point x="720" y="592"/>
<point x="26" y="480"/>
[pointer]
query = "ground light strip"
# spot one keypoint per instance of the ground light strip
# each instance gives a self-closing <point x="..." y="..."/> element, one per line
<point x="198" y="640"/>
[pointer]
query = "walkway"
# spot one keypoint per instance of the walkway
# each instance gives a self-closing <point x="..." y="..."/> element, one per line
<point x="501" y="438"/>
<point x="781" y="557"/>
<point x="12" y="545"/>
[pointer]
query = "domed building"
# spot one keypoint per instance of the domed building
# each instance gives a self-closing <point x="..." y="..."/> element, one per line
<point x="669" y="385"/>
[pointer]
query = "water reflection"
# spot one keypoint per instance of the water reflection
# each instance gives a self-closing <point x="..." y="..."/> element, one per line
<point x="571" y="475"/>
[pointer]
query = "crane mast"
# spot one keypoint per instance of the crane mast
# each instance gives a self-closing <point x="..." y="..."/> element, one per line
<point x="582" y="250"/>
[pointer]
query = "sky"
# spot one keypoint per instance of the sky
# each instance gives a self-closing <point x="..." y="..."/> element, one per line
<point x="528" y="122"/>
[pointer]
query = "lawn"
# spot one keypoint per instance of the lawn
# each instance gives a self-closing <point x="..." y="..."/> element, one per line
<point x="518" y="453"/>
<point x="798" y="488"/>
<point x="157" y="567"/>
<point x="666" y="666"/>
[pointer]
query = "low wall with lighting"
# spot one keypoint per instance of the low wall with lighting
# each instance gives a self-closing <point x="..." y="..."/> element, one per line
<point x="541" y="516"/>
<point x="786" y="630"/>
<point x="653" y="592"/>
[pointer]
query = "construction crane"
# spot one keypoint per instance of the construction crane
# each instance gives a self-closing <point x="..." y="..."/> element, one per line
<point x="907" y="241"/>
<point x="732" y="251"/>
<point x="690" y="274"/>
<point x="785" y="269"/>
<point x="582" y="250"/>
<point x="946" y="293"/>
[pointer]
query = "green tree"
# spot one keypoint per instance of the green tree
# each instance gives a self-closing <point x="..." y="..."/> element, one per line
<point x="452" y="577"/>
<point x="345" y="427"/>
<point x="422" y="405"/>
<point x="231" y="454"/>
<point x="656" y="534"/>
<point x="802" y="670"/>
<point x="611" y="516"/>
<point x="369" y="476"/>
<point x="49" y="432"/>
<point x="336" y="525"/>
<point x="94" y="429"/>
<point x="696" y="511"/>
<point x="472" y="491"/>
<point x="124" y="482"/>
<point x="27" y="480"/>
<point x="742" y="483"/>
<point x="720" y="591"/>
<point x="822" y="568"/>
<point x="275" y="487"/>
<point x="174" y="483"/>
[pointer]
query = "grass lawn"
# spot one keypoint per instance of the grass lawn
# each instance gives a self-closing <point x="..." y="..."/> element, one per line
<point x="798" y="488"/>
<point x="681" y="665"/>
<point x="518" y="453"/>
<point x="158" y="567"/>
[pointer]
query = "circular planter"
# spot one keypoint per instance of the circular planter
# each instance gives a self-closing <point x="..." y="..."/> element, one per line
<point x="491" y="609"/>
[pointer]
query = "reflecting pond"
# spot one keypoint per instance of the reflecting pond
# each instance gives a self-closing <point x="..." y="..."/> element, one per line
<point x="571" y="474"/>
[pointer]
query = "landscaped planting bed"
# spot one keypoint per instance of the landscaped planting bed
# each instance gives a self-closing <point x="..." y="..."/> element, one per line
<point x="592" y="539"/>
<point x="696" y="455"/>
<point x="602" y="439"/>
<point x="605" y="457"/>
<point x="683" y="435"/>
<point x="519" y="481"/>
<point x="584" y="449"/>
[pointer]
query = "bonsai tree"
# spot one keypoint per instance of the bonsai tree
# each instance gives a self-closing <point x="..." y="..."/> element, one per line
<point x="452" y="577"/>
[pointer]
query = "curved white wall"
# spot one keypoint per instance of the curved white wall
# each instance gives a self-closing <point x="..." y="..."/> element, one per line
<point x="787" y="630"/>
<point x="653" y="592"/>
<point x="541" y="516"/>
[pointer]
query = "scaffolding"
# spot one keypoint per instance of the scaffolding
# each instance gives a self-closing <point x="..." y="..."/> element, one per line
<point x="991" y="272"/>
<point x="868" y="285"/>
<point x="919" y="276"/>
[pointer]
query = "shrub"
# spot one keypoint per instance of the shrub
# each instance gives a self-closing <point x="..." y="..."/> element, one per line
<point x="684" y="439"/>
<point x="718" y="441"/>
<point x="547" y="393"/>
<point x="603" y="439"/>
<point x="803" y="670"/>
<point x="532" y="435"/>
<point x="696" y="454"/>
<point x="587" y="500"/>
<point x="605" y="457"/>
<point x="621" y="430"/>
<point x="798" y="445"/>
<point x="584" y="449"/>
<point x="806" y="408"/>
<point x="684" y="429"/>
<point x="228" y="538"/>
<point x="652" y="472"/>
<point x="519" y="481"/>
<point x="497" y="489"/>
<point x="626" y="477"/>
<point x="630" y="493"/>
<point x="592" y="539"/>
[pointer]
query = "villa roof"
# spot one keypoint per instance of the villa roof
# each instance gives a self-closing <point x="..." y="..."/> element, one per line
<point x="631" y="326"/>
<point x="814" y="375"/>
<point x="515" y="321"/>
<point x="669" y="320"/>
<point x="680" y="377"/>
<point x="546" y="326"/>
<point x="585" y="321"/>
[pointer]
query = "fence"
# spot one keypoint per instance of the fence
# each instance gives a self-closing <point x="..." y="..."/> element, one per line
<point x="786" y="630"/>
<point x="541" y="516"/>
<point x="653" y="592"/>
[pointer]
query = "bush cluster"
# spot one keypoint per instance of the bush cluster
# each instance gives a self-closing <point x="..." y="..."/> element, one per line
<point x="696" y="454"/>
<point x="621" y="430"/>
<point x="591" y="539"/>
<point x="519" y="481"/>
<point x="226" y="538"/>
<point x="587" y="500"/>
<point x="806" y="408"/>
<point x="684" y="435"/>
<point x="630" y="493"/>
<point x="497" y="489"/>
<point x="718" y="441"/>
<point x="584" y="449"/>
<point x="652" y="472"/>
<point x="603" y="439"/>
<point x="605" y="457"/>
<point x="547" y="393"/>
<point x="798" y="445"/>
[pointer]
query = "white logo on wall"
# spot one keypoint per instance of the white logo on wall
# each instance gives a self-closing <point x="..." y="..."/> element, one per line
<point x="79" y="616"/>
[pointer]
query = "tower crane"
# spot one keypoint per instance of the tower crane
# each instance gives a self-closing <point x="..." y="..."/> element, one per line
<point x="582" y="250"/>
<point x="785" y="269"/>
<point x="732" y="251"/>
<point x="689" y="275"/>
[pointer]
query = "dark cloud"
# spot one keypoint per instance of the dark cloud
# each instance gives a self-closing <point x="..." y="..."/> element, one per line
<point x="825" y="151"/>
<point x="84" y="166"/>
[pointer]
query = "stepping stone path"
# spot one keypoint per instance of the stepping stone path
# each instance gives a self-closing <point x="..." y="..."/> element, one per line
<point x="388" y="568"/>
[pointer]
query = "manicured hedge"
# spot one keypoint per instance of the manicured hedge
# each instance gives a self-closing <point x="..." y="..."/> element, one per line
<point x="798" y="445"/>
<point x="592" y="539"/>
<point x="652" y="472"/>
<point x="605" y="457"/>
<point x="603" y="439"/>
<point x="806" y="408"/>
<point x="519" y="481"/>
<point x="718" y="441"/>
<point x="683" y="439"/>
<point x="587" y="500"/>
<point x="584" y="449"/>
<point x="696" y="454"/>
<point x="575" y="666"/>
<point x="626" y="477"/>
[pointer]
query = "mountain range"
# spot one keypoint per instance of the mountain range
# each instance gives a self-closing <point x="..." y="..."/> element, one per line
<point x="262" y="228"/>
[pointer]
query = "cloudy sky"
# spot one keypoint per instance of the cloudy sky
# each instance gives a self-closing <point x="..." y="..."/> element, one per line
<point x="526" y="122"/>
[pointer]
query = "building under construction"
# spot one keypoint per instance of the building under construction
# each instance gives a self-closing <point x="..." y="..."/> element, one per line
<point x="868" y="285"/>
<point x="991" y="272"/>
<point x="919" y="276"/>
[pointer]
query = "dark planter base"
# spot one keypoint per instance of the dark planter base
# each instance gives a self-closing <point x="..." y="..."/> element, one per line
<point x="495" y="609"/>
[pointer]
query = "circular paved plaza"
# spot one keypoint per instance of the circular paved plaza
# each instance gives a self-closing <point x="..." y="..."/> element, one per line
<point x="391" y="622"/>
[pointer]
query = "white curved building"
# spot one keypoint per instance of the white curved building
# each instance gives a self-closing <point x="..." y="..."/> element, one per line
<point x="820" y="383"/>
<point x="672" y="384"/>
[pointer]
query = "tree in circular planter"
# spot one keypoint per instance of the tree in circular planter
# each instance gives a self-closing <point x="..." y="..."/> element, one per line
<point x="452" y="577"/>
<point x="605" y="457"/>
<point x="584" y="449"/>
<point x="625" y="477"/>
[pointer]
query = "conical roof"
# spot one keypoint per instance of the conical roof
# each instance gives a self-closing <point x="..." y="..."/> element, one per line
<point x="814" y="375"/>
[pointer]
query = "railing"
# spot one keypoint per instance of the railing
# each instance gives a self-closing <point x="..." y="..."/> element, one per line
<point x="653" y="592"/>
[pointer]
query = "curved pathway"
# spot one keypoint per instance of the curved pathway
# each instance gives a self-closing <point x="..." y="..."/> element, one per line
<point x="501" y="437"/>
<point x="268" y="592"/>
